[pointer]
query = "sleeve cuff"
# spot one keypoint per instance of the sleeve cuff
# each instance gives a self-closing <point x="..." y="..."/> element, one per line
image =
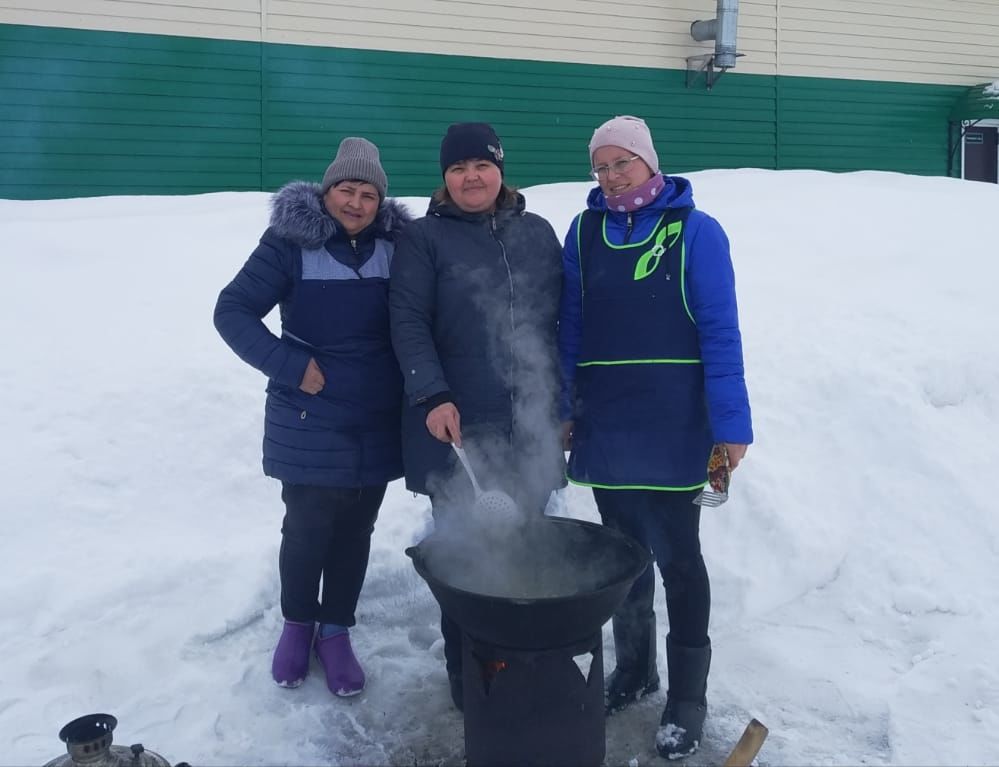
<point x="437" y="399"/>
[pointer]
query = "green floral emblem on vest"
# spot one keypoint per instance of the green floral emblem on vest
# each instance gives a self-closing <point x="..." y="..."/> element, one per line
<point x="649" y="260"/>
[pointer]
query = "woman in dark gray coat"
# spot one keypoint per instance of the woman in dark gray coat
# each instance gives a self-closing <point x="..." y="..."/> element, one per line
<point x="473" y="303"/>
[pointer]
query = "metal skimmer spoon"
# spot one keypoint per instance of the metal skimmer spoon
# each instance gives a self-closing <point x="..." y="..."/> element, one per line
<point x="491" y="502"/>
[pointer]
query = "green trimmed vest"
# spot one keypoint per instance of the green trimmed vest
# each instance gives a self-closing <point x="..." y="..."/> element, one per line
<point x="641" y="420"/>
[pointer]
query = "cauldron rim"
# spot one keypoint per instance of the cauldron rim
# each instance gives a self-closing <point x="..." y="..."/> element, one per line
<point x="419" y="563"/>
<point x="539" y="622"/>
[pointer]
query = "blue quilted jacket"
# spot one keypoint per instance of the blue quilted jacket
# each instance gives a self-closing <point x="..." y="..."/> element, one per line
<point x="332" y="291"/>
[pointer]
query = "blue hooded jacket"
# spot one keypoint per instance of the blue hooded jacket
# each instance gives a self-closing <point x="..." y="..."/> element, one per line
<point x="332" y="290"/>
<point x="709" y="291"/>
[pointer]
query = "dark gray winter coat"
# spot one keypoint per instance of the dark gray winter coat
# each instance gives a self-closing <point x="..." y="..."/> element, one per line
<point x="474" y="313"/>
<point x="332" y="290"/>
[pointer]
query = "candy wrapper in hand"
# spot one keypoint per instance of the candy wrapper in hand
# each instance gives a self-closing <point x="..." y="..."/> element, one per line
<point x="719" y="473"/>
<point x="719" y="478"/>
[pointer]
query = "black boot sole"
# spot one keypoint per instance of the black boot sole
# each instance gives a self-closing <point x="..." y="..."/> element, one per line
<point x="621" y="702"/>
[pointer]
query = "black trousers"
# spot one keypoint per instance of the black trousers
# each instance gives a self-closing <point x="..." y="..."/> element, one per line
<point x="450" y="631"/>
<point x="326" y="535"/>
<point x="668" y="525"/>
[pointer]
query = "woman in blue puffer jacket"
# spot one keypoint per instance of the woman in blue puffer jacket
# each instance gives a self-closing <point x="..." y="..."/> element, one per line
<point x="651" y="358"/>
<point x="333" y="411"/>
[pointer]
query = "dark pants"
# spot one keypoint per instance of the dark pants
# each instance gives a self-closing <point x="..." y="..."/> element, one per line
<point x="451" y="631"/>
<point x="667" y="524"/>
<point x="326" y="534"/>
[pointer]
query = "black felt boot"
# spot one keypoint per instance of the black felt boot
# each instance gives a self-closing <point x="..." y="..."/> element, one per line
<point x="682" y="724"/>
<point x="635" y="673"/>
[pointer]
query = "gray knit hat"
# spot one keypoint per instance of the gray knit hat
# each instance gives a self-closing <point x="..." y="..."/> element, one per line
<point x="356" y="160"/>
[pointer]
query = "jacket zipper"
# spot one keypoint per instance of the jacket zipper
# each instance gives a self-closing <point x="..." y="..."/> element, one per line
<point x="509" y="276"/>
<point x="627" y="232"/>
<point x="353" y="246"/>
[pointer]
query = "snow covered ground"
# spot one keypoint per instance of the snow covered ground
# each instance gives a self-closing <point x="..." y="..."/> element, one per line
<point x="854" y="613"/>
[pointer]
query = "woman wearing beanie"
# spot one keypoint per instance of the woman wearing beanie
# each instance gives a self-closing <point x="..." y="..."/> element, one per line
<point x="474" y="305"/>
<point x="331" y="427"/>
<point x="652" y="372"/>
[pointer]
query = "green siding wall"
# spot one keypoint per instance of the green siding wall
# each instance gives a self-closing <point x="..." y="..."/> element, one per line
<point x="93" y="113"/>
<point x="84" y="113"/>
<point x="544" y="112"/>
<point x="843" y="125"/>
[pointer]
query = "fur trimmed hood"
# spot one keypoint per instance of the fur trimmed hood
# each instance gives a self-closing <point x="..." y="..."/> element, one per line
<point x="298" y="215"/>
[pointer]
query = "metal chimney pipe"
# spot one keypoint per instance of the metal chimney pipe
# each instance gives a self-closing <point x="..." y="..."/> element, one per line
<point x="723" y="30"/>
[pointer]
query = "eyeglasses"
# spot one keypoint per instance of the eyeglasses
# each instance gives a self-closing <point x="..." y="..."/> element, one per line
<point x="618" y="166"/>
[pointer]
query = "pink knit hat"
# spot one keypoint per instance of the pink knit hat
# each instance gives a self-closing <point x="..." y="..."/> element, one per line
<point x="629" y="133"/>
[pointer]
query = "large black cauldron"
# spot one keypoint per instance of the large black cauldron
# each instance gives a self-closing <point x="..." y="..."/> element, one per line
<point x="554" y="584"/>
<point x="531" y="602"/>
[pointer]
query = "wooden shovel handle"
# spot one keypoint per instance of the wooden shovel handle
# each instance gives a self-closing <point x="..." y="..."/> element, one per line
<point x="748" y="746"/>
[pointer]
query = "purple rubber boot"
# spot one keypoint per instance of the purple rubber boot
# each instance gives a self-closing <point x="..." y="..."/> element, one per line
<point x="344" y="675"/>
<point x="291" y="656"/>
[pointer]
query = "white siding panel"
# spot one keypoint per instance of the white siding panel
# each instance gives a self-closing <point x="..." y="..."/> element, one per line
<point x="915" y="33"/>
<point x="642" y="33"/>
<point x="222" y="19"/>
<point x="901" y="40"/>
<point x="645" y="34"/>
<point x="920" y="41"/>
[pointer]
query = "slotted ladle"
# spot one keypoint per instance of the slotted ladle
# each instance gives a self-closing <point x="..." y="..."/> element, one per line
<point x="494" y="503"/>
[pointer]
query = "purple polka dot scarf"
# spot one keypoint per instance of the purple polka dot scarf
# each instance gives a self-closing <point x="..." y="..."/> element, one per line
<point x="638" y="197"/>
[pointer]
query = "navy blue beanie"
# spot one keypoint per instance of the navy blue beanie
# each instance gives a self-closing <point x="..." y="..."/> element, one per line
<point x="471" y="141"/>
